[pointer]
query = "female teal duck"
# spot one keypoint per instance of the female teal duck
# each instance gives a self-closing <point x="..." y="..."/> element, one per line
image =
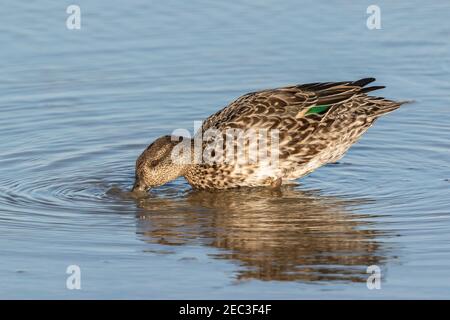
<point x="315" y="124"/>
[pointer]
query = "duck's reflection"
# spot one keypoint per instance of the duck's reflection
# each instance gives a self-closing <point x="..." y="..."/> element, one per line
<point x="287" y="235"/>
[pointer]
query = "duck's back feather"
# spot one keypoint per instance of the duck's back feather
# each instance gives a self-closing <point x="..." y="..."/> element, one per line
<point x="316" y="123"/>
<point x="268" y="108"/>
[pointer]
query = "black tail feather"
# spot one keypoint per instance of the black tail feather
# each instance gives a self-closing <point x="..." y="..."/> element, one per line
<point x="373" y="88"/>
<point x="362" y="82"/>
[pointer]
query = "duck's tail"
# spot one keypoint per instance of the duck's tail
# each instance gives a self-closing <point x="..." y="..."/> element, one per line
<point x="381" y="106"/>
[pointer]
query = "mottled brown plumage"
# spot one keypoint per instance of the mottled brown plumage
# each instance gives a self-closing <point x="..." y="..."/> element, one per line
<point x="316" y="124"/>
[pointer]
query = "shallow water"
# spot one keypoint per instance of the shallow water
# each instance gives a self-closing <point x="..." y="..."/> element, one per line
<point x="77" y="108"/>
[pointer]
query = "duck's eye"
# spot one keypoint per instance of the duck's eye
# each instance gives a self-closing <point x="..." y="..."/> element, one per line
<point x="154" y="163"/>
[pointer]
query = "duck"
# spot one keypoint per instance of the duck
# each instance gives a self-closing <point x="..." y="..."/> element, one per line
<point x="315" y="124"/>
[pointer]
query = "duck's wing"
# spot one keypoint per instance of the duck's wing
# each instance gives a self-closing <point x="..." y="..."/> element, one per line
<point x="309" y="117"/>
<point x="283" y="108"/>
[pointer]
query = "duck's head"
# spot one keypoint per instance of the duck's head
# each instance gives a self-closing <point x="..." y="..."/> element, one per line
<point x="155" y="165"/>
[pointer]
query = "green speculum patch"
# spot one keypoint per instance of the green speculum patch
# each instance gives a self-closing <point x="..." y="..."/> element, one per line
<point x="318" y="109"/>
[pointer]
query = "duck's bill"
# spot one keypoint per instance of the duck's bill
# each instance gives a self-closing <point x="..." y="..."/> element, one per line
<point x="138" y="188"/>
